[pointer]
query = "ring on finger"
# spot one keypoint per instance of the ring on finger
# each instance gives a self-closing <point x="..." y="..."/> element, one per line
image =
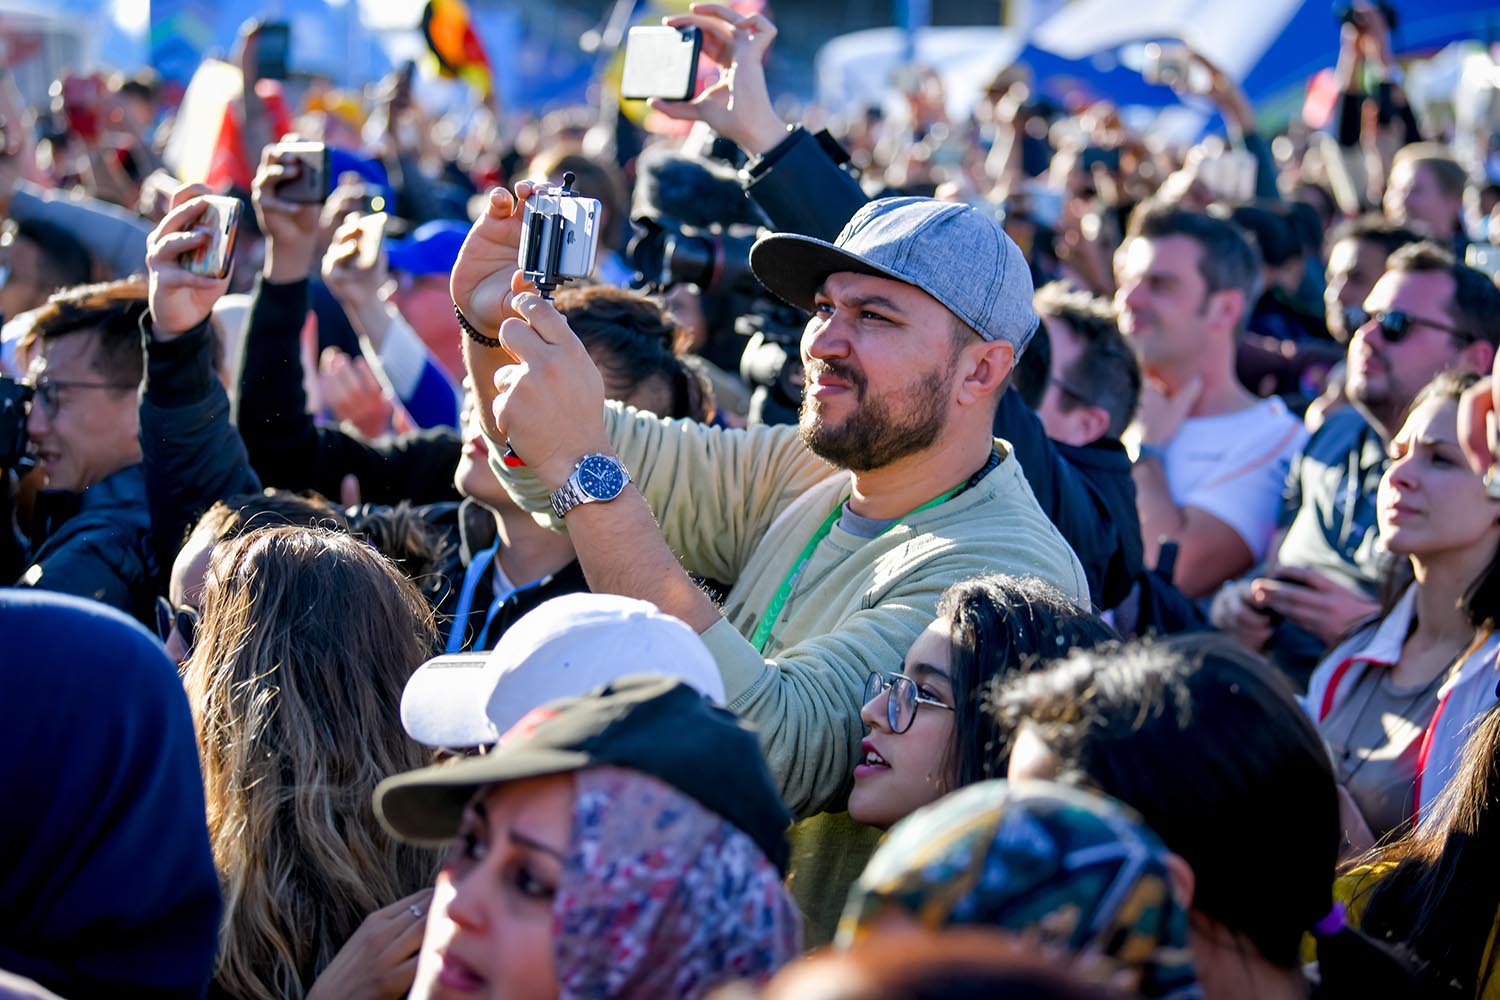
<point x="1492" y="482"/>
<point x="415" y="911"/>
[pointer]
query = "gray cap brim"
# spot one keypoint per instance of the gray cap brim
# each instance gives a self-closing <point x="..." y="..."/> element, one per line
<point x="793" y="267"/>
<point x="427" y="806"/>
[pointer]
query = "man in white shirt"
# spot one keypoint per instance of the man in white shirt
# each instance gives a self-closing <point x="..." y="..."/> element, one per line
<point x="1211" y="457"/>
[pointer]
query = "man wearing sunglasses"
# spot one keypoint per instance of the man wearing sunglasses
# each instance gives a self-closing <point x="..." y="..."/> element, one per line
<point x="1427" y="313"/>
<point x="90" y="533"/>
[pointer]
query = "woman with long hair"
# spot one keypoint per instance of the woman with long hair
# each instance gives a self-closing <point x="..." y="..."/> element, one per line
<point x="1436" y="891"/>
<point x="1392" y="701"/>
<point x="306" y="640"/>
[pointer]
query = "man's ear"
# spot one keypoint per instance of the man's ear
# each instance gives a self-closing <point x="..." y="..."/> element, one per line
<point x="1229" y="308"/>
<point x="1184" y="882"/>
<point x="1478" y="357"/>
<point x="988" y="367"/>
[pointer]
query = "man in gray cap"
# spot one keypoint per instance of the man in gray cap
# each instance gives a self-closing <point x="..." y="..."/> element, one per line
<point x="838" y="534"/>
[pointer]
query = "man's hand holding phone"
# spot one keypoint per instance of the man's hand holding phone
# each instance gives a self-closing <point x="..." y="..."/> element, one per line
<point x="179" y="299"/>
<point x="738" y="106"/>
<point x="1313" y="601"/>
<point x="290" y="228"/>
<point x="486" y="277"/>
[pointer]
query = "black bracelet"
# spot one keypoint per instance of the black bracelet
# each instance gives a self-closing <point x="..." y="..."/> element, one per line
<point x="471" y="333"/>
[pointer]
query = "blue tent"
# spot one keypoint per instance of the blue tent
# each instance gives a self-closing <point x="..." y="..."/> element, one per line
<point x="1272" y="47"/>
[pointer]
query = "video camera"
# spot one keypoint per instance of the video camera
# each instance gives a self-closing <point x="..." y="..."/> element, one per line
<point x="15" y="402"/>
<point x="694" y="225"/>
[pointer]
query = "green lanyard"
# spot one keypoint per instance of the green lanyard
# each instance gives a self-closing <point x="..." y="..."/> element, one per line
<point x="762" y="637"/>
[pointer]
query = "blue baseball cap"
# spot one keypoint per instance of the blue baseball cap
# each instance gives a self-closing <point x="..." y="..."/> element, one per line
<point x="952" y="251"/>
<point x="432" y="248"/>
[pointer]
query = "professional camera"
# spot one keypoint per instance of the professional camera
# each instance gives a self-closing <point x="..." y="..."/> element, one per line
<point x="665" y="253"/>
<point x="559" y="236"/>
<point x="772" y="361"/>
<point x="15" y="400"/>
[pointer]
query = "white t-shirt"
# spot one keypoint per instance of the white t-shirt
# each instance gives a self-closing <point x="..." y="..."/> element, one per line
<point x="1234" y="467"/>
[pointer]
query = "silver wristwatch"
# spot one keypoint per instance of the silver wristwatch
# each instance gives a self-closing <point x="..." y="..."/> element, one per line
<point x="595" y="479"/>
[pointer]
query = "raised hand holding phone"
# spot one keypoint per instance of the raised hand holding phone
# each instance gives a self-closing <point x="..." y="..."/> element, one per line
<point x="290" y="228"/>
<point x="178" y="299"/>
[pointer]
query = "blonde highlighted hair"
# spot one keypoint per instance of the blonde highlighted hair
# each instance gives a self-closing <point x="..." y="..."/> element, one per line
<point x="306" y="641"/>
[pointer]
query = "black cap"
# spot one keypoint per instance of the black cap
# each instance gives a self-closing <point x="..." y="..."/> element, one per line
<point x="649" y="723"/>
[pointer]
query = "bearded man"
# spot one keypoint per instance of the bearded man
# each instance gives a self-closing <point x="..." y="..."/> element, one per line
<point x="840" y="534"/>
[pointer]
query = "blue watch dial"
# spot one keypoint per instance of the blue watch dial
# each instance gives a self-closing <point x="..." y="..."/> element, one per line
<point x="600" y="477"/>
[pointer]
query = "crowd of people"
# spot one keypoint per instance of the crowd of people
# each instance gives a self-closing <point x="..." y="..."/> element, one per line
<point x="1010" y="556"/>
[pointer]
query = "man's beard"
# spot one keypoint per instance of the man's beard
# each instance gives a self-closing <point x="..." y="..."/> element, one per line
<point x="881" y="429"/>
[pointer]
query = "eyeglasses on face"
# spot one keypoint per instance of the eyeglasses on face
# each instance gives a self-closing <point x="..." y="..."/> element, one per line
<point x="49" y="390"/>
<point x="901" y="706"/>
<point x="182" y="619"/>
<point x="1395" y="325"/>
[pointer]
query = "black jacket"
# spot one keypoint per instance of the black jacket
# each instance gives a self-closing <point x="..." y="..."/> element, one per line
<point x="1087" y="492"/>
<point x="191" y="452"/>
<point x="290" y="451"/>
<point x="96" y="544"/>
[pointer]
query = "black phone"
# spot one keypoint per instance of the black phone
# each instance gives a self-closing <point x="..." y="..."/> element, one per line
<point x="661" y="62"/>
<point x="273" y="40"/>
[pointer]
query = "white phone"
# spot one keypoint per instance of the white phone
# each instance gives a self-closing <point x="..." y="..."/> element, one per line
<point x="661" y="62"/>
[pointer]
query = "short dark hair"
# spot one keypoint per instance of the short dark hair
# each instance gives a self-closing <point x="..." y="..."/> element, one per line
<point x="65" y="260"/>
<point x="1476" y="301"/>
<point x="1106" y="372"/>
<point x="1372" y="227"/>
<point x="1032" y="371"/>
<point x="635" y="340"/>
<point x="112" y="311"/>
<point x="1207" y="742"/>
<point x="1447" y="172"/>
<point x="1226" y="259"/>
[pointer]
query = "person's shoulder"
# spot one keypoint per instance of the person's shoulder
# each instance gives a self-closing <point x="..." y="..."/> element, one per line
<point x="1340" y="430"/>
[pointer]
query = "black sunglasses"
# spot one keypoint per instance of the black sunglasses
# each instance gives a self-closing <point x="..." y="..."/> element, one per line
<point x="1395" y="325"/>
<point x="181" y="619"/>
<point x="901" y="706"/>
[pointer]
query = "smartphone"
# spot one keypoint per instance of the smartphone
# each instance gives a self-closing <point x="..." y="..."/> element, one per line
<point x="81" y="97"/>
<point x="273" y="40"/>
<point x="1168" y="65"/>
<point x="661" y="62"/>
<point x="309" y="185"/>
<point x="1485" y="258"/>
<point x="371" y="236"/>
<point x="221" y="220"/>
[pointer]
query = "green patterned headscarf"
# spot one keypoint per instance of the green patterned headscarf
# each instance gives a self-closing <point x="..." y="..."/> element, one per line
<point x="1078" y="870"/>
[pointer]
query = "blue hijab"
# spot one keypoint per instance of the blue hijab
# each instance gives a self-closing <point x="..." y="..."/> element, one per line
<point x="107" y="882"/>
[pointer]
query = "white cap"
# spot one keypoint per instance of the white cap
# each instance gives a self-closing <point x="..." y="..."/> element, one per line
<point x="565" y="647"/>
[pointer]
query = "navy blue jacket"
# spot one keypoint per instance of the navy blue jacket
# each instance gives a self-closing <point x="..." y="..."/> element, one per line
<point x="96" y="544"/>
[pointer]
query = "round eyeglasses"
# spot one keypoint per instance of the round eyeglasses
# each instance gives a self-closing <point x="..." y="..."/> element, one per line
<point x="182" y="619"/>
<point x="901" y="706"/>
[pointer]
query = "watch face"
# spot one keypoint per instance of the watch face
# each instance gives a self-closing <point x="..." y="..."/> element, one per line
<point x="601" y="477"/>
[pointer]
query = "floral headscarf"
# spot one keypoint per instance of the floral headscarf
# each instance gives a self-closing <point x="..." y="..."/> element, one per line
<point x="1079" y="871"/>
<point x="660" y="897"/>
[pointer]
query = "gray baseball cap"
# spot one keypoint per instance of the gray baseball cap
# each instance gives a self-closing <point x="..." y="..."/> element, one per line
<point x="952" y="251"/>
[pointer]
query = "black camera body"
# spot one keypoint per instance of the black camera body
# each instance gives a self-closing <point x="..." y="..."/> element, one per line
<point x="15" y="403"/>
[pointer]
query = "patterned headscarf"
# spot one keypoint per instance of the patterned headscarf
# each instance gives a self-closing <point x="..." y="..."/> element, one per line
<point x="660" y="897"/>
<point x="1079" y="871"/>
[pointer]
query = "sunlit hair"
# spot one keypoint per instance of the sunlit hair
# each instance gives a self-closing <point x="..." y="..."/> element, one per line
<point x="306" y="641"/>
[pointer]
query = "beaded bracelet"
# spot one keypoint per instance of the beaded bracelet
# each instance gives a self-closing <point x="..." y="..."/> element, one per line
<point x="470" y="332"/>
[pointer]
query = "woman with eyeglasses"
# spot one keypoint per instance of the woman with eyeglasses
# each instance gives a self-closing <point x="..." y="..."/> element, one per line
<point x="1393" y="701"/>
<point x="929" y="731"/>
